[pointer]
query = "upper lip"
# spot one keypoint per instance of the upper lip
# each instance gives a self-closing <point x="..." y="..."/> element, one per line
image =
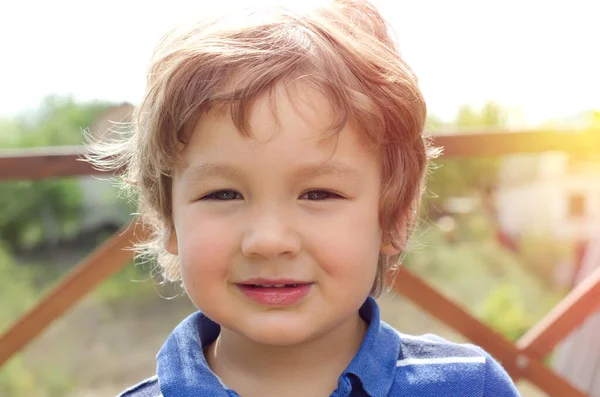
<point x="272" y="281"/>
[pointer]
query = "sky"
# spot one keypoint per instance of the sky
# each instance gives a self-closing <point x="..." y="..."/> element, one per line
<point x="538" y="59"/>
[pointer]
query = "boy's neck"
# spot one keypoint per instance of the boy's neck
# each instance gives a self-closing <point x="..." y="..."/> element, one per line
<point x="251" y="368"/>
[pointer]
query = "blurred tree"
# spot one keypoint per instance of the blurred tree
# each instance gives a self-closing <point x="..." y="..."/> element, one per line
<point x="433" y="124"/>
<point x="34" y="212"/>
<point x="462" y="177"/>
<point x="59" y="121"/>
<point x="18" y="378"/>
<point x="476" y="271"/>
<point x="17" y="291"/>
<point x="505" y="311"/>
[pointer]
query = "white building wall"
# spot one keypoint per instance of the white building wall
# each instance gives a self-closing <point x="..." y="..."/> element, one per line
<point x="535" y="192"/>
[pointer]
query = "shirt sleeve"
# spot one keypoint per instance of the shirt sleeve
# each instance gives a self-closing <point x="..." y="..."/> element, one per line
<point x="497" y="381"/>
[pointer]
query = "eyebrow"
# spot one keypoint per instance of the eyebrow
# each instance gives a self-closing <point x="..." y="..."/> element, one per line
<point x="334" y="168"/>
<point x="210" y="170"/>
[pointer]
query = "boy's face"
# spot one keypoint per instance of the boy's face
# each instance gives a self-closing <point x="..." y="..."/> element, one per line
<point x="285" y="207"/>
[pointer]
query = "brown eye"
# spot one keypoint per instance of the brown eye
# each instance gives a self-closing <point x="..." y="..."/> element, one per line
<point x="223" y="195"/>
<point x="318" y="195"/>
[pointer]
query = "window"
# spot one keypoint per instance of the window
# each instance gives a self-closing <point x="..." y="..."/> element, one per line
<point x="577" y="205"/>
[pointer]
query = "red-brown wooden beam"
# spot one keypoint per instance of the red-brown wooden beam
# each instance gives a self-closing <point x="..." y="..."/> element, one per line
<point x="43" y="163"/>
<point x="570" y="313"/>
<point x="105" y="261"/>
<point x="505" y="143"/>
<point x="61" y="162"/>
<point x="518" y="364"/>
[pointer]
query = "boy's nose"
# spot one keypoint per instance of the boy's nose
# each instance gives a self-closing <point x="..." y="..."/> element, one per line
<point x="269" y="238"/>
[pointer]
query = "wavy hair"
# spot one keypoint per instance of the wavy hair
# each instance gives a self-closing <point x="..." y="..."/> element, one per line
<point x="343" y="49"/>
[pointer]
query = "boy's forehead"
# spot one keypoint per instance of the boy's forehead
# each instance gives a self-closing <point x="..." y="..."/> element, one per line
<point x="291" y="124"/>
<point x="297" y="108"/>
<point x="289" y="106"/>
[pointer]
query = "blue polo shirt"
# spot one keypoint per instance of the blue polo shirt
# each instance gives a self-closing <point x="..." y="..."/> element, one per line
<point x="387" y="363"/>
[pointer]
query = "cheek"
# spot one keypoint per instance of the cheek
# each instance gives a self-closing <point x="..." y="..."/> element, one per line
<point x="349" y="247"/>
<point x="204" y="251"/>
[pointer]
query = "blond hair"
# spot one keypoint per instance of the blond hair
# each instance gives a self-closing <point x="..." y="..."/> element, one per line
<point x="343" y="49"/>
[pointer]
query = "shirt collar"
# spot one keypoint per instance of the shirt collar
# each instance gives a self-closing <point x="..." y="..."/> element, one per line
<point x="375" y="362"/>
<point x="183" y="371"/>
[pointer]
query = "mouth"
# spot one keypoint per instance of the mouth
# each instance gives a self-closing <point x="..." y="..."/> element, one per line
<point x="275" y="293"/>
<point x="272" y="285"/>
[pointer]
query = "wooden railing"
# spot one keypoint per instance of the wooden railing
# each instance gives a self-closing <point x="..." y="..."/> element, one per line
<point x="523" y="360"/>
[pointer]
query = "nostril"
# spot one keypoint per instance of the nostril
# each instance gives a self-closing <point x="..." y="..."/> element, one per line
<point x="270" y="243"/>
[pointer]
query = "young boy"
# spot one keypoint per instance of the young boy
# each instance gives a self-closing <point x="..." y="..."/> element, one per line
<point x="278" y="159"/>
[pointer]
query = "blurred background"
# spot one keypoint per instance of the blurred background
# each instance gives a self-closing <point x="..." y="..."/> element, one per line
<point x="506" y="237"/>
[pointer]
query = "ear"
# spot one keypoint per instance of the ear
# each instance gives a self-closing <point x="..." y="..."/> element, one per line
<point x="388" y="249"/>
<point x="172" y="245"/>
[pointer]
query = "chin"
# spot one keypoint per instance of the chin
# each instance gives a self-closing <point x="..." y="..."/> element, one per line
<point x="279" y="332"/>
<point x="276" y="338"/>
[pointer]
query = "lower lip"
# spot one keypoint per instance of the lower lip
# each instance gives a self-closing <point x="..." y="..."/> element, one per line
<point x="284" y="296"/>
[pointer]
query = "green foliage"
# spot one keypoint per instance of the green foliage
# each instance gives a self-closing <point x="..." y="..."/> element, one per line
<point x="133" y="282"/>
<point x="469" y="266"/>
<point x="22" y="376"/>
<point x="460" y="177"/>
<point x="15" y="287"/>
<point x="491" y="114"/>
<point x="16" y="378"/>
<point x="505" y="311"/>
<point x="541" y="254"/>
<point x="38" y="211"/>
<point x="58" y="122"/>
<point x="43" y="211"/>
<point x="433" y="124"/>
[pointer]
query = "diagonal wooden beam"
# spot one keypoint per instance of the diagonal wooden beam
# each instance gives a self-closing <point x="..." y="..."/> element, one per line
<point x="518" y="364"/>
<point x="571" y="312"/>
<point x="63" y="161"/>
<point x="105" y="261"/>
<point x="424" y="295"/>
